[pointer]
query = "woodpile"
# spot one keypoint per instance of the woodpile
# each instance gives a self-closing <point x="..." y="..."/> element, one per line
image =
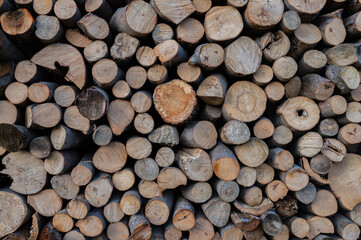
<point x="180" y="119"/>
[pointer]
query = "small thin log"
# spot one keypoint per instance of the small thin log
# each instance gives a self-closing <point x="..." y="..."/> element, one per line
<point x="124" y="179"/>
<point x="99" y="190"/>
<point x="64" y="186"/>
<point x="78" y="207"/>
<point x="93" y="224"/>
<point x="162" y="32"/>
<point x="190" y="32"/>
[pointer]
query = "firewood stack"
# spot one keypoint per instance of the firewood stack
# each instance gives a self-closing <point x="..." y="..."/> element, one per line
<point x="180" y="119"/>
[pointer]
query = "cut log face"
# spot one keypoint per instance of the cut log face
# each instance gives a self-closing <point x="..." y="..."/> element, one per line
<point x="167" y="102"/>
<point x="173" y="10"/>
<point x="66" y="57"/>
<point x="244" y="101"/>
<point x="223" y="23"/>
<point x="110" y="158"/>
<point x="47" y="202"/>
<point x="257" y="17"/>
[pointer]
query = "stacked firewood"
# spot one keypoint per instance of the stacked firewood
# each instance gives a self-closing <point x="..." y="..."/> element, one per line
<point x="180" y="119"/>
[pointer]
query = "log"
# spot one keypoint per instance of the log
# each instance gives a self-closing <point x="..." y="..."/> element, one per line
<point x="319" y="225"/>
<point x="306" y="11"/>
<point x="244" y="101"/>
<point x="342" y="55"/>
<point x="124" y="179"/>
<point x="93" y="96"/>
<point x="67" y="57"/>
<point x="9" y="113"/>
<point x="189" y="73"/>
<point x="95" y="28"/>
<point x="146" y="56"/>
<point x="265" y="205"/>
<point x="67" y="12"/>
<point x="284" y="68"/>
<point x="17" y="212"/>
<point x="63" y="138"/>
<point x="295" y="179"/>
<point x="275" y="91"/>
<point x="136" y="77"/>
<point x="64" y="186"/>
<point x="74" y="234"/>
<point x="333" y="149"/>
<point x="263" y="128"/>
<point x="298" y="227"/>
<point x="345" y="78"/>
<point x="203" y="229"/>
<point x="195" y="163"/>
<point x="164" y="157"/>
<point x="76" y="38"/>
<point x="17" y="93"/>
<point x="74" y="120"/>
<point x="140" y="227"/>
<point x="352" y="114"/>
<point x="41" y="92"/>
<point x="121" y="90"/>
<point x="62" y="221"/>
<point x="309" y="145"/>
<point x="94" y="52"/>
<point x="26" y="171"/>
<point x="47" y="202"/>
<point x="110" y="158"/>
<point x="49" y="232"/>
<point x="102" y="135"/>
<point x="274" y="45"/>
<point x="12" y="53"/>
<point x="321" y="164"/>
<point x="118" y="230"/>
<point x="40" y="147"/>
<point x="112" y="211"/>
<point x="170" y="52"/>
<point x="316" y="87"/>
<point x="141" y="101"/>
<point x="345" y="227"/>
<point x="78" y="207"/>
<point x="312" y="61"/>
<point x="172" y="10"/>
<point x="271" y="223"/>
<point x="225" y="164"/>
<point x="105" y="72"/>
<point x="158" y="209"/>
<point x="170" y="178"/>
<point x="352" y="25"/>
<point x="282" y="135"/>
<point x="341" y="182"/>
<point x="265" y="174"/>
<point x="328" y="127"/>
<point x="124" y="48"/>
<point x="245" y="221"/>
<point x="130" y="202"/>
<point x="318" y="179"/>
<point x="306" y="37"/>
<point x="350" y="135"/>
<point x="208" y="56"/>
<point x="252" y="196"/>
<point x="234" y="132"/>
<point x="280" y="159"/>
<point x="242" y="48"/>
<point x="136" y="19"/>
<point x="99" y="190"/>
<point x="197" y="192"/>
<point x="263" y="75"/>
<point x="59" y="162"/>
<point x="285" y="234"/>
<point x="200" y="134"/>
<point x="149" y="189"/>
<point x="48" y="29"/>
<point x="168" y="94"/>
<point x="146" y="169"/>
<point x="99" y="7"/>
<point x="43" y="7"/>
<point x="44" y="115"/>
<point x="83" y="172"/>
<point x="247" y="176"/>
<point x="166" y="135"/>
<point x="299" y="113"/>
<point x="171" y="232"/>
<point x="252" y="153"/>
<point x="138" y="147"/>
<point x="217" y="211"/>
<point x="213" y="89"/>
<point x="190" y="32"/>
<point x="324" y="204"/>
<point x="228" y="191"/>
<point x="15" y="137"/>
<point x="65" y="95"/>
<point x="120" y="114"/>
<point x="290" y="22"/>
<point x="27" y="72"/>
<point x="293" y="87"/>
<point x="162" y="32"/>
<point x="332" y="28"/>
<point x="254" y="234"/>
<point x="210" y="113"/>
<point x="276" y="190"/>
<point x="231" y="231"/>
<point x="157" y="74"/>
<point x="222" y="23"/>
<point x="93" y="224"/>
<point x="333" y="106"/>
